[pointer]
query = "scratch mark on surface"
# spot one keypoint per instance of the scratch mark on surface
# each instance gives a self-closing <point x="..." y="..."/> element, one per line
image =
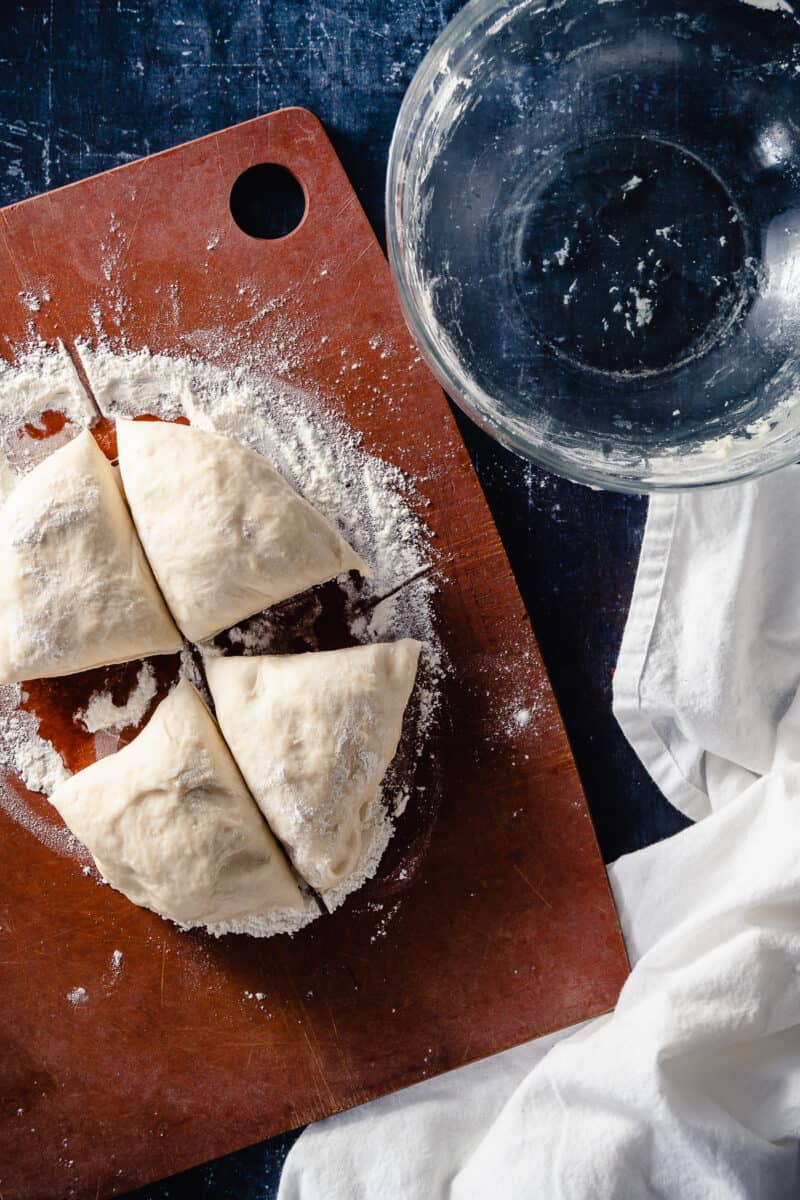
<point x="46" y="159"/>
<point x="371" y="602"/>
<point x="359" y="257"/>
<point x="218" y="157"/>
<point x="258" y="57"/>
<point x="140" y="210"/>
<point x="345" y="1058"/>
<point x="349" y="202"/>
<point x="163" y="969"/>
<point x="317" y="1060"/>
<point x="535" y="891"/>
<point x="9" y="251"/>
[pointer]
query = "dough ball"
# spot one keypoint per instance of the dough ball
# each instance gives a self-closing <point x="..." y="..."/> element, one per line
<point x="172" y="826"/>
<point x="75" y="588"/>
<point x="225" y="534"/>
<point x="313" y="735"/>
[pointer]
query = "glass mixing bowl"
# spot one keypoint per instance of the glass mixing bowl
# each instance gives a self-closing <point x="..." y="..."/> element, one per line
<point x="594" y="224"/>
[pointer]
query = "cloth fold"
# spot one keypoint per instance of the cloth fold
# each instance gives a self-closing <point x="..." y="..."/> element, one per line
<point x="691" y="1088"/>
<point x="710" y="660"/>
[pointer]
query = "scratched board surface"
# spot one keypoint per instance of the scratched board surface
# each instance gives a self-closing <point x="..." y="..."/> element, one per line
<point x="85" y="87"/>
<point x="502" y="923"/>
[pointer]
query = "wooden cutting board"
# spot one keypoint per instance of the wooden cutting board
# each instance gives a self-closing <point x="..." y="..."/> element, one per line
<point x="502" y="925"/>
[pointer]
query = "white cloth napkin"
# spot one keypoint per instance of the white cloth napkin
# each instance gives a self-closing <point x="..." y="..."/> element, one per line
<point x="692" y="1087"/>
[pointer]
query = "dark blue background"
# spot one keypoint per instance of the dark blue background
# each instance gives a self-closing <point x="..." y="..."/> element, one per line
<point x="86" y="85"/>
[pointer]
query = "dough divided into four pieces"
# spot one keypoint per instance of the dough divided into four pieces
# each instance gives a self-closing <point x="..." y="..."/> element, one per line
<point x="225" y="534"/>
<point x="313" y="735"/>
<point x="75" y="588"/>
<point x="168" y="819"/>
<point x="172" y="826"/>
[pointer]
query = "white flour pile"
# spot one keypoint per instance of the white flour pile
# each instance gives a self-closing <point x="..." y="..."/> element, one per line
<point x="101" y="713"/>
<point x="369" y="500"/>
<point x="29" y="756"/>
<point x="366" y="498"/>
<point x="43" y="381"/>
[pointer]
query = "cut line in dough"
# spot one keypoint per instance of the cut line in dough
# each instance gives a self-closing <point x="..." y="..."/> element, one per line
<point x="313" y="735"/>
<point x="225" y="534"/>
<point x="171" y="825"/>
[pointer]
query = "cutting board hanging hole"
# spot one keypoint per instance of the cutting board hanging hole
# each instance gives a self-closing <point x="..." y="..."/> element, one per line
<point x="267" y="201"/>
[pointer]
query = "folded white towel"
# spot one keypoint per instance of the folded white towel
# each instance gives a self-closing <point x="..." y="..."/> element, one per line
<point x="692" y="1087"/>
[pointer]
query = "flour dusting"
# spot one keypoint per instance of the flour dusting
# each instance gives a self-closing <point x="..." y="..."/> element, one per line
<point x="376" y="831"/>
<point x="366" y="498"/>
<point x="278" y="920"/>
<point x="42" y="381"/>
<point x="375" y="507"/>
<point x="33" y="758"/>
<point x="27" y="756"/>
<point x="38" y="522"/>
<point x="102" y="713"/>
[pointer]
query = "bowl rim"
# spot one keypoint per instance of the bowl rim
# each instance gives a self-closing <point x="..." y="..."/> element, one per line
<point x="454" y="379"/>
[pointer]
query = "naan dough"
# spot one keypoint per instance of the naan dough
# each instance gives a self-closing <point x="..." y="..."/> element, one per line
<point x="225" y="534"/>
<point x="172" y="826"/>
<point x="75" y="588"/>
<point x="313" y="735"/>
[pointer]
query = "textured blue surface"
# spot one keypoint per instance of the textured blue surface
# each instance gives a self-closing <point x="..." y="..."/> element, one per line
<point x="86" y="85"/>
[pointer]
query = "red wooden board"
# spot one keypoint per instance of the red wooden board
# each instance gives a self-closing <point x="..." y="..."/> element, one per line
<point x="505" y="927"/>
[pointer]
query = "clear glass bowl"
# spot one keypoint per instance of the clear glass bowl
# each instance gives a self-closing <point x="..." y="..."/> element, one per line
<point x="594" y="225"/>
